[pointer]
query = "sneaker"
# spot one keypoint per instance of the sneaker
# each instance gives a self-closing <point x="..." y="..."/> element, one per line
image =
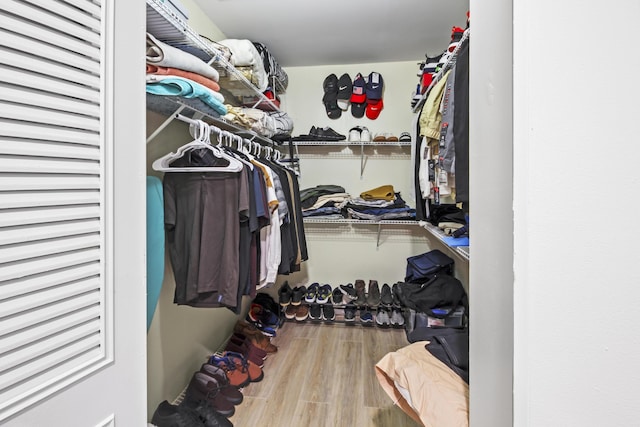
<point x="350" y="313"/>
<point x="290" y="312"/>
<point x="373" y="293"/>
<point x="284" y="294"/>
<point x="365" y="135"/>
<point x="312" y="293"/>
<point x="297" y="294"/>
<point x="324" y="294"/>
<point x="349" y="292"/>
<point x="328" y="313"/>
<point x="336" y="296"/>
<point x="315" y="312"/>
<point x="395" y="295"/>
<point x="385" y="295"/>
<point x="302" y="312"/>
<point x="259" y="315"/>
<point x="361" y="297"/>
<point x="397" y="318"/>
<point x="354" y="134"/>
<point x="382" y="318"/>
<point x="366" y="318"/>
<point x="405" y="137"/>
<point x="327" y="134"/>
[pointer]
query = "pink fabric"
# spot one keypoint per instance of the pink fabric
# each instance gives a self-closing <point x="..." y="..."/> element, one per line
<point x="198" y="78"/>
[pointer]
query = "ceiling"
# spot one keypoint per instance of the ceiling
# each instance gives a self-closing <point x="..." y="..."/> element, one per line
<point x="330" y="32"/>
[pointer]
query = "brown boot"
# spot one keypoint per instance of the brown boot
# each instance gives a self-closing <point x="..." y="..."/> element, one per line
<point x="360" y="292"/>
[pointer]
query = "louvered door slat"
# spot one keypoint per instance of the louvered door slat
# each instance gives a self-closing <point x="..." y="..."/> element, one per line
<point x="45" y="165"/>
<point x="50" y="215"/>
<point x="48" y="116"/>
<point x="38" y="49"/>
<point x="47" y="133"/>
<point x="55" y="176"/>
<point x="31" y="199"/>
<point x="20" y="182"/>
<point x="65" y="360"/>
<point x="70" y="12"/>
<point x="24" y="147"/>
<point x="52" y="309"/>
<point x="43" y="28"/>
<point x="39" y="282"/>
<point x="48" y="100"/>
<point x="14" y="253"/>
<point x="49" y="231"/>
<point x="43" y="330"/>
<point x="27" y="72"/>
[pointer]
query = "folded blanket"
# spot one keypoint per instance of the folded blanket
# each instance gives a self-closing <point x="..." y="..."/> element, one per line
<point x="178" y="86"/>
<point x="245" y="54"/>
<point x="159" y="53"/>
<point x="170" y="71"/>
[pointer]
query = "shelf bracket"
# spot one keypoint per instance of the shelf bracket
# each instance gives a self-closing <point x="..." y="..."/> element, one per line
<point x="165" y="124"/>
<point x="362" y="161"/>
<point x="378" y="240"/>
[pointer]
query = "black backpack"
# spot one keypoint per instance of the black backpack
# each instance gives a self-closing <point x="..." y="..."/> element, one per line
<point x="442" y="290"/>
<point x="423" y="267"/>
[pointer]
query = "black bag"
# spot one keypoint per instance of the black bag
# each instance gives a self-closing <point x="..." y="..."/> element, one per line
<point x="440" y="291"/>
<point x="421" y="268"/>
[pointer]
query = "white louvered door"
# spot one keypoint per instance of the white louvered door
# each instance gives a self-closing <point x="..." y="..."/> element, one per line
<point x="58" y="210"/>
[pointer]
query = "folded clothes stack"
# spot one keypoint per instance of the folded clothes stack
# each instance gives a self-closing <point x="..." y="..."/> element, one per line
<point x="323" y="201"/>
<point x="380" y="203"/>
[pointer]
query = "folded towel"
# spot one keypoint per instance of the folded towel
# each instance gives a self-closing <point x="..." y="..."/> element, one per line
<point x="170" y="71"/>
<point x="159" y="53"/>
<point x="178" y="86"/>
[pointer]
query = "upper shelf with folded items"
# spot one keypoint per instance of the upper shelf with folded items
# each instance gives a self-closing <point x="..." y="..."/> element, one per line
<point x="246" y="74"/>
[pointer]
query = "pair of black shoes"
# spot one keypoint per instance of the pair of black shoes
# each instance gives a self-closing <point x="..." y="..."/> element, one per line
<point x="188" y="414"/>
<point x="326" y="134"/>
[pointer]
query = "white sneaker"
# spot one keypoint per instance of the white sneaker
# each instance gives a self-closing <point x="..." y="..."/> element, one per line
<point x="354" y="135"/>
<point x="365" y="135"/>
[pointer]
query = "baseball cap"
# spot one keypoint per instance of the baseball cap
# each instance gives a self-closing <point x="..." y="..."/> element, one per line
<point x="374" y="86"/>
<point x="344" y="91"/>
<point x="374" y="108"/>
<point x="358" y="92"/>
<point x="357" y="109"/>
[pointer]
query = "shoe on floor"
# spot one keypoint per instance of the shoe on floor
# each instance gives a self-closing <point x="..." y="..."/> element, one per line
<point x="312" y="293"/>
<point x="397" y="318"/>
<point x="315" y="312"/>
<point x="361" y="297"/>
<point x="385" y="295"/>
<point x="336" y="296"/>
<point x="207" y="415"/>
<point x="349" y="292"/>
<point x="290" y="312"/>
<point x="231" y="393"/>
<point x="366" y="318"/>
<point x="284" y="294"/>
<point x="324" y="294"/>
<point x="302" y="312"/>
<point x="350" y="313"/>
<point x="236" y="377"/>
<point x="328" y="313"/>
<point x="382" y="318"/>
<point x="297" y="294"/>
<point x="373" y="292"/>
<point x="168" y="415"/>
<point x="204" y="389"/>
<point x="255" y="372"/>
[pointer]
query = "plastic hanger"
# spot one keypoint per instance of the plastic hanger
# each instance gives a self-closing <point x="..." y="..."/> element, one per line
<point x="163" y="164"/>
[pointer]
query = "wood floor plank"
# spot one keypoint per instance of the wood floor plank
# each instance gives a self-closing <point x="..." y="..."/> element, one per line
<point x="323" y="375"/>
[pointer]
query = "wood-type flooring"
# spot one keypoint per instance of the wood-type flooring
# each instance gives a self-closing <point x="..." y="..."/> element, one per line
<point x="323" y="376"/>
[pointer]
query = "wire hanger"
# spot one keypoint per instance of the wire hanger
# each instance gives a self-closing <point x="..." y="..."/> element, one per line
<point x="202" y="140"/>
